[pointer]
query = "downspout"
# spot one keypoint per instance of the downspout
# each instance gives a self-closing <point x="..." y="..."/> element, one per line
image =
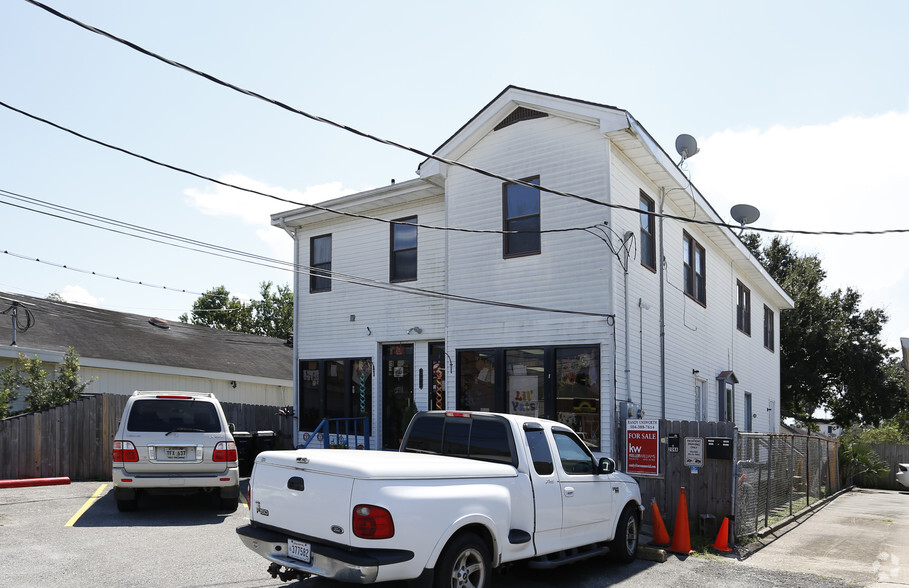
<point x="627" y="331"/>
<point x="296" y="339"/>
<point x="662" y="311"/>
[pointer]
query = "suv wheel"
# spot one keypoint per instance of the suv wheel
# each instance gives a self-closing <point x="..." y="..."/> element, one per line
<point x="230" y="504"/>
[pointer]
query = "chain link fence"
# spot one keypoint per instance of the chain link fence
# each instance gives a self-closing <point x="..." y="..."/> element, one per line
<point x="777" y="476"/>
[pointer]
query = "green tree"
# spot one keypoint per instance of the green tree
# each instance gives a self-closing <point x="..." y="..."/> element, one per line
<point x="831" y="353"/>
<point x="8" y="390"/>
<point x="44" y="392"/>
<point x="271" y="316"/>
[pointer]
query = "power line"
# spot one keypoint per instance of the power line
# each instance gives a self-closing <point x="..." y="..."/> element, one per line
<point x="388" y="142"/>
<point x="251" y="258"/>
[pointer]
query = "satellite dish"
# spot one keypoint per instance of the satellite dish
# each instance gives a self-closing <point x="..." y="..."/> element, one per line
<point x="745" y="214"/>
<point x="686" y="146"/>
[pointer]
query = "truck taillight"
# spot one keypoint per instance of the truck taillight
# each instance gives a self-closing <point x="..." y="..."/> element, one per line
<point x="372" y="522"/>
<point x="225" y="451"/>
<point x="125" y="451"/>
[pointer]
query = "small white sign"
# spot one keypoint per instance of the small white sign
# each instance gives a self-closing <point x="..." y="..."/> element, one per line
<point x="694" y="451"/>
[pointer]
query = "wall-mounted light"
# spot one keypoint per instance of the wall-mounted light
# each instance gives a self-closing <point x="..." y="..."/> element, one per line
<point x="233" y="384"/>
<point x="416" y="330"/>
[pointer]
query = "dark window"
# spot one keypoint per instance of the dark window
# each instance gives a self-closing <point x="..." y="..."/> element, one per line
<point x="173" y="415"/>
<point x="483" y="439"/>
<point x="743" y="309"/>
<point x="539" y="451"/>
<point x="521" y="213"/>
<point x="695" y="261"/>
<point x="320" y="262"/>
<point x="768" y="328"/>
<point x="557" y="383"/>
<point x="404" y="250"/>
<point x="648" y="233"/>
<point x="425" y="435"/>
<point x="334" y="388"/>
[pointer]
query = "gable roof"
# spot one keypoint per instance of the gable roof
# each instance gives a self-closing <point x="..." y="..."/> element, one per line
<point x="104" y="338"/>
<point x="635" y="142"/>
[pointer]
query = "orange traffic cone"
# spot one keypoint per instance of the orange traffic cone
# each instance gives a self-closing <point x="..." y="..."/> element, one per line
<point x="722" y="538"/>
<point x="681" y="538"/>
<point x="660" y="535"/>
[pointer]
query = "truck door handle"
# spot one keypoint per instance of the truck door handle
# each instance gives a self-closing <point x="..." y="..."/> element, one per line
<point x="569" y="491"/>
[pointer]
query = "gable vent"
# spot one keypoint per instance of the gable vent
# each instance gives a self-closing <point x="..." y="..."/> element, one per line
<point x="518" y="114"/>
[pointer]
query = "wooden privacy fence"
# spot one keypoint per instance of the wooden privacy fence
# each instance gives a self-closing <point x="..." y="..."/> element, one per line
<point x="892" y="455"/>
<point x="708" y="492"/>
<point x="74" y="440"/>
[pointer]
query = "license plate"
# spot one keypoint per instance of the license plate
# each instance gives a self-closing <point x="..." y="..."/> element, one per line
<point x="299" y="550"/>
<point x="175" y="453"/>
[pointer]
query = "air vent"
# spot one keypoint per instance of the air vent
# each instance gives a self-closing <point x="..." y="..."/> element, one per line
<point x="159" y="322"/>
<point x="519" y="114"/>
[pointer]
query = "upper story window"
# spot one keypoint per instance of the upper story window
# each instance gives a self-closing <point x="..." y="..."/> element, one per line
<point x="521" y="212"/>
<point x="648" y="233"/>
<point x="768" y="328"/>
<point x="320" y="262"/>
<point x="743" y="309"/>
<point x="403" y="250"/>
<point x="695" y="259"/>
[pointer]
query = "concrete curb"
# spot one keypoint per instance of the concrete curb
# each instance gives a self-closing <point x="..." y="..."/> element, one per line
<point x="33" y="482"/>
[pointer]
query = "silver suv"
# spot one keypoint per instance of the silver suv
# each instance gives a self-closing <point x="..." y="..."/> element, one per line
<point x="174" y="443"/>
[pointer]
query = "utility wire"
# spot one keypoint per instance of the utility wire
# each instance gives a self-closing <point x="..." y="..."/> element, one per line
<point x="255" y="259"/>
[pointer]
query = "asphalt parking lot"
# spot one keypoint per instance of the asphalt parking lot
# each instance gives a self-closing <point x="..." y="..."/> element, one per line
<point x="73" y="535"/>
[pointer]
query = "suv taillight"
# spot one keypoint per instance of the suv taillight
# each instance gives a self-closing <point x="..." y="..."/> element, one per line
<point x="225" y="451"/>
<point x="125" y="451"/>
<point x="372" y="522"/>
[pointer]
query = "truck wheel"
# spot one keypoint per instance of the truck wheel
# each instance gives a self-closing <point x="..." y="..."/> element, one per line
<point x="464" y="564"/>
<point x="624" y="547"/>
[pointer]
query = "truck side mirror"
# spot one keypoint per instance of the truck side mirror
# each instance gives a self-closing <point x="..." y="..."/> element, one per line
<point x="607" y="466"/>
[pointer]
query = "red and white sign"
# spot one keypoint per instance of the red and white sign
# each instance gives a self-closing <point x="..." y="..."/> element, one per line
<point x="642" y="446"/>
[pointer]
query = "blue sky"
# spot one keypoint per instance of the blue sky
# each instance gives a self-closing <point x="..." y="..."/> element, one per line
<point x="801" y="109"/>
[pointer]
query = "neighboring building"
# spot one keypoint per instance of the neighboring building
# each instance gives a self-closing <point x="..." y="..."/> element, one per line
<point x="121" y="353"/>
<point x="692" y="338"/>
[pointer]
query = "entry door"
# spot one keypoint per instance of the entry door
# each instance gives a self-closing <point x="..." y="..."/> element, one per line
<point x="397" y="393"/>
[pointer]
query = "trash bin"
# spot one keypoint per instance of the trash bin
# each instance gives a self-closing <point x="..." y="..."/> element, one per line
<point x="265" y="441"/>
<point x="245" y="455"/>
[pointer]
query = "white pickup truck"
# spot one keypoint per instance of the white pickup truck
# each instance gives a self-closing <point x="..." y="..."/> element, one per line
<point x="466" y="493"/>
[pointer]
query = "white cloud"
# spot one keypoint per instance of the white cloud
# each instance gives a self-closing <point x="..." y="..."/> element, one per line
<point x="256" y="210"/>
<point x="79" y="295"/>
<point x="849" y="175"/>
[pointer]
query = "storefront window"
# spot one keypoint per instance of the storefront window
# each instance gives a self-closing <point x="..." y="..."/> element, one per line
<point x="524" y="373"/>
<point x="476" y="380"/>
<point x="578" y="391"/>
<point x="334" y="388"/>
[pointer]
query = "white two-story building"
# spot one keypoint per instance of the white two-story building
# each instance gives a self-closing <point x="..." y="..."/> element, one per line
<point x="550" y="259"/>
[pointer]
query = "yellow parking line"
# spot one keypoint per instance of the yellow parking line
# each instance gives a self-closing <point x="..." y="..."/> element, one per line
<point x="86" y="506"/>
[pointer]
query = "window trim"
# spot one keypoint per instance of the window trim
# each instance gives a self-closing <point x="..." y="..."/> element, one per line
<point x="505" y="219"/>
<point x="743" y="308"/>
<point x="317" y="269"/>
<point x="695" y="284"/>
<point x="392" y="251"/>
<point x="645" y="235"/>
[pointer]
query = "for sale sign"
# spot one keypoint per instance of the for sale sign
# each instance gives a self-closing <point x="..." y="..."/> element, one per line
<point x="642" y="446"/>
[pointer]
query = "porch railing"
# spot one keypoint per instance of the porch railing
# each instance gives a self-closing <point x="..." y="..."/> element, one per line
<point x="338" y="434"/>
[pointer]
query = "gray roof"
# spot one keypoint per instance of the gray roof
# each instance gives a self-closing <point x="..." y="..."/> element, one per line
<point x="115" y="336"/>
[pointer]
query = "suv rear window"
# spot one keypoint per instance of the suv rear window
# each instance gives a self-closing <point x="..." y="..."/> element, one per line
<point x="173" y="415"/>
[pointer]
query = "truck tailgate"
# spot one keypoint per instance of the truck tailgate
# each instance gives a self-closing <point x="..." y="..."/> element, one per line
<point x="285" y="495"/>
